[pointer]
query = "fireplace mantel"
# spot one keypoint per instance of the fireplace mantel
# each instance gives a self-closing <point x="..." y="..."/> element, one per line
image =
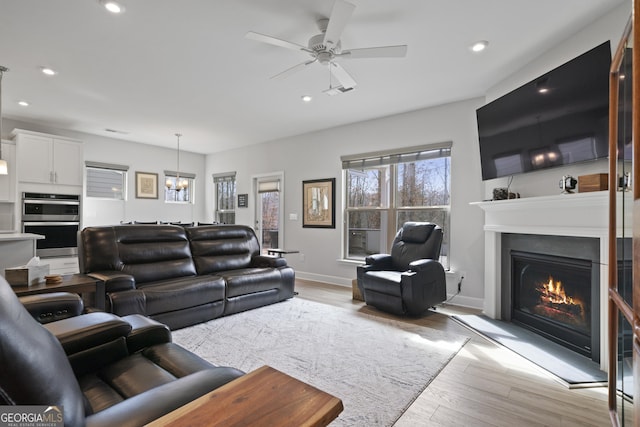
<point x="578" y="214"/>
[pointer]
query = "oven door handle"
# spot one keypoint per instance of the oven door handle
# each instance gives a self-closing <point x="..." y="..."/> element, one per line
<point x="30" y="223"/>
<point x="50" y="202"/>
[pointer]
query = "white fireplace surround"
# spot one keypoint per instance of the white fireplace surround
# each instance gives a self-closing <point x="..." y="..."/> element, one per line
<point x="579" y="214"/>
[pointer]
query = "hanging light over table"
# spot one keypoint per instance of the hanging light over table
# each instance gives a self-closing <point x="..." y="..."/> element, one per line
<point x="179" y="184"/>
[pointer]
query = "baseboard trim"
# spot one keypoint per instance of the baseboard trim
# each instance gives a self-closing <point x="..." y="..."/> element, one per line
<point x="464" y="301"/>
<point x="333" y="280"/>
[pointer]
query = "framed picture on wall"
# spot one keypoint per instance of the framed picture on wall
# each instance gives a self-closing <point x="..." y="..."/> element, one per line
<point x="318" y="203"/>
<point x="146" y="185"/>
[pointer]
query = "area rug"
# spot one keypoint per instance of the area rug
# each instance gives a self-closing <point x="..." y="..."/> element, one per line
<point x="572" y="368"/>
<point x="377" y="366"/>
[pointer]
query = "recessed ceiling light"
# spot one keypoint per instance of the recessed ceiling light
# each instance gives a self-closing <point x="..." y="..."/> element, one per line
<point x="112" y="6"/>
<point x="306" y="98"/>
<point x="479" y="46"/>
<point x="49" y="71"/>
<point x="23" y="103"/>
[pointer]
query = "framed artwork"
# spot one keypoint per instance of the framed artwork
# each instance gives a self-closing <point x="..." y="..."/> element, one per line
<point x="318" y="203"/>
<point x="146" y="185"/>
<point x="243" y="200"/>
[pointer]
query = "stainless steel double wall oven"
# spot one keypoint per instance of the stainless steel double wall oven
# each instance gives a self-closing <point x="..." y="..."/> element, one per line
<point x="55" y="216"/>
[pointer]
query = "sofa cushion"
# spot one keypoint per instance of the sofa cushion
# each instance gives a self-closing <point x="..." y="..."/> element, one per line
<point x="184" y="292"/>
<point x="249" y="280"/>
<point x="222" y="247"/>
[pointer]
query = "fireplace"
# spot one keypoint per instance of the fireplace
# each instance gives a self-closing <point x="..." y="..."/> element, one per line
<point x="551" y="287"/>
<point x="552" y="297"/>
<point x="580" y="215"/>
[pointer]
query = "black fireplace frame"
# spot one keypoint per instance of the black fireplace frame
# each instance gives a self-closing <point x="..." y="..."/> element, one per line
<point x="583" y="248"/>
<point x="565" y="335"/>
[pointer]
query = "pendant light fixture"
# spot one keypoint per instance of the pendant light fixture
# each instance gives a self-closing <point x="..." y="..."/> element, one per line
<point x="179" y="185"/>
<point x="3" y="163"/>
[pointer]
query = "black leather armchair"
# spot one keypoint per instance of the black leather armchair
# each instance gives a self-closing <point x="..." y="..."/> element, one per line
<point x="410" y="279"/>
<point x="103" y="370"/>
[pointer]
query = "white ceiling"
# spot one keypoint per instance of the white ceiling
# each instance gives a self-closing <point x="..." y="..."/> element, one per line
<point x="167" y="66"/>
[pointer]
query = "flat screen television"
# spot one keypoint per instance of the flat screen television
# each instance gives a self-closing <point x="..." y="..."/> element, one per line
<point x="559" y="118"/>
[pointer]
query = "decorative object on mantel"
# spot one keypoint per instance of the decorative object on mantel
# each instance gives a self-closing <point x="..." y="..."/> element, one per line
<point x="179" y="185"/>
<point x="503" y="193"/>
<point x="624" y="182"/>
<point x="593" y="182"/>
<point x="3" y="163"/>
<point x="567" y="184"/>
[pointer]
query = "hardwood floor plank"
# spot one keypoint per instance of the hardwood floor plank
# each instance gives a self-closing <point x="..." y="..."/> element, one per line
<point x="485" y="384"/>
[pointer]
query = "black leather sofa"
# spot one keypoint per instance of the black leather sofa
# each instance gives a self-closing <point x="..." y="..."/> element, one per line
<point x="100" y="369"/>
<point x="181" y="276"/>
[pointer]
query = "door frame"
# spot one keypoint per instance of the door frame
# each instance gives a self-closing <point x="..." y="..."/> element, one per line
<point x="270" y="176"/>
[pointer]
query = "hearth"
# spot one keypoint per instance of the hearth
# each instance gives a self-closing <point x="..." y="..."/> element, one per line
<point x="550" y="285"/>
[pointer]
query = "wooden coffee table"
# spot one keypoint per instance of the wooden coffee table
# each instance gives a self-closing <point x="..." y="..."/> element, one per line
<point x="76" y="283"/>
<point x="264" y="397"/>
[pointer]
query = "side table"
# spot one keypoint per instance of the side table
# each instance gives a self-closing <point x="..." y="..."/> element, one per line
<point x="265" y="397"/>
<point x="76" y="283"/>
<point x="281" y="252"/>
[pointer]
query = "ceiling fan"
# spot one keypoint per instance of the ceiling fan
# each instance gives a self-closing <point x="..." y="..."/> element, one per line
<point x="325" y="48"/>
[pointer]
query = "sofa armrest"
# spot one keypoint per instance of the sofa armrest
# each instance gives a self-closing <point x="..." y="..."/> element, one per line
<point x="269" y="261"/>
<point x="421" y="264"/>
<point x="87" y="331"/>
<point x="114" y="281"/>
<point x="145" y="332"/>
<point x="153" y="404"/>
<point x="53" y="306"/>
<point x="379" y="262"/>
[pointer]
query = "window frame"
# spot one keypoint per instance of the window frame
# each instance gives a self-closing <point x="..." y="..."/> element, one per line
<point x="388" y="209"/>
<point x="221" y="179"/>
<point x="191" y="187"/>
<point x="121" y="169"/>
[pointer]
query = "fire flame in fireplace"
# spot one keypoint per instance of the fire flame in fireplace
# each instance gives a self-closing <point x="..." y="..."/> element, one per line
<point x="555" y="302"/>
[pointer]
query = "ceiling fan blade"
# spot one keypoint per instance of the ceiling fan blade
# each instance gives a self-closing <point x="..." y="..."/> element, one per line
<point x="340" y="15"/>
<point x="275" y="41"/>
<point x="293" y="69"/>
<point x="342" y="76"/>
<point x="375" y="52"/>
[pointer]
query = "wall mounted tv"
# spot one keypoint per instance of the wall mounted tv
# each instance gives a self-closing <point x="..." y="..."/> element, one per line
<point x="562" y="117"/>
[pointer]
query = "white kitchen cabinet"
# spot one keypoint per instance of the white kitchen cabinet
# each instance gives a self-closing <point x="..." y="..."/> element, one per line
<point x="8" y="182"/>
<point x="48" y="159"/>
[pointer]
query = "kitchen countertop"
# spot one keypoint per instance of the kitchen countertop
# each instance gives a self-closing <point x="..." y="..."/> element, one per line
<point x="11" y="236"/>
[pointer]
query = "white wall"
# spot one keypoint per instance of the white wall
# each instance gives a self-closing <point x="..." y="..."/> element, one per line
<point x="317" y="155"/>
<point x="142" y="158"/>
<point x="543" y="183"/>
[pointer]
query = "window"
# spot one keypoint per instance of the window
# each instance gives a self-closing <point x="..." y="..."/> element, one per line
<point x="386" y="189"/>
<point x="106" y="181"/>
<point x="225" y="195"/>
<point x="179" y="187"/>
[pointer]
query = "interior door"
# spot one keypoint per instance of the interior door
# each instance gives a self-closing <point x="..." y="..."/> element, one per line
<point x="624" y="233"/>
<point x="269" y="212"/>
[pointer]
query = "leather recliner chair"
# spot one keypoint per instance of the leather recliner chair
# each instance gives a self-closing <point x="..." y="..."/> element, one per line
<point x="410" y="280"/>
<point x="103" y="370"/>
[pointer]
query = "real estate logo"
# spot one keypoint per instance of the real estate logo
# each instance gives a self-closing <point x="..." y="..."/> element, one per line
<point x="31" y="416"/>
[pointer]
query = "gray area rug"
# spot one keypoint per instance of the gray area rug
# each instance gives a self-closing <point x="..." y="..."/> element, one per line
<point x="573" y="368"/>
<point x="376" y="366"/>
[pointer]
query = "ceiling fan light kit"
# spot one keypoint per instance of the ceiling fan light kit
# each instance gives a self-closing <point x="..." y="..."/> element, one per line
<point x="325" y="48"/>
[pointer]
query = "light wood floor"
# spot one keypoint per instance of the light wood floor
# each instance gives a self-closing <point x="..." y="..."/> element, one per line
<point x="484" y="384"/>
